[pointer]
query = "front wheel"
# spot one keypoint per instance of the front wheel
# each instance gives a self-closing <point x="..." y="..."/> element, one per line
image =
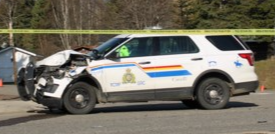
<point x="80" y="98"/>
<point x="213" y="93"/>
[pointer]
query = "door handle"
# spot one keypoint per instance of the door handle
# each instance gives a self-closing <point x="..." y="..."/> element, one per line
<point x="196" y="59"/>
<point x="146" y="62"/>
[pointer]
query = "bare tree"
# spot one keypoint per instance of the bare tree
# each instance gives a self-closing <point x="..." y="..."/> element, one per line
<point x="138" y="14"/>
<point x="61" y="14"/>
<point x="75" y="14"/>
<point x="8" y="10"/>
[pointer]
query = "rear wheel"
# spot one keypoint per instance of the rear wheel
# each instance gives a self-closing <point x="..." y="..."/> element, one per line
<point x="213" y="93"/>
<point x="80" y="98"/>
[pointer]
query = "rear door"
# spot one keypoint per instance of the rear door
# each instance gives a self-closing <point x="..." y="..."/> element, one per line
<point x="176" y="67"/>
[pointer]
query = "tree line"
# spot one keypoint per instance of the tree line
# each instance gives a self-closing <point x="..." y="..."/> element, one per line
<point x="125" y="14"/>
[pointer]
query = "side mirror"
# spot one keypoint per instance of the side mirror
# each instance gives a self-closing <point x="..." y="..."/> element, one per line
<point x="94" y="54"/>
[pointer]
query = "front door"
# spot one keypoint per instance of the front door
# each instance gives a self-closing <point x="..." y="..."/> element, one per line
<point x="125" y="75"/>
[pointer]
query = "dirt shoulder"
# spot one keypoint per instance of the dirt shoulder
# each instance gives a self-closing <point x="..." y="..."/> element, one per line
<point x="8" y="92"/>
<point x="9" y="97"/>
<point x="266" y="72"/>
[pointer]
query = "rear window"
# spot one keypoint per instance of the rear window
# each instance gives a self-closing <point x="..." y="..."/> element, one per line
<point x="177" y="45"/>
<point x="225" y="43"/>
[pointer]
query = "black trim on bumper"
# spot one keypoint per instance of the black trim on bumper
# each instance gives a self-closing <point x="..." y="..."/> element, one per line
<point x="21" y="88"/>
<point x="49" y="101"/>
<point x="245" y="88"/>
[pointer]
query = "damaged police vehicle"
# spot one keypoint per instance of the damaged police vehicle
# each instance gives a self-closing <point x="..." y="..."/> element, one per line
<point x="202" y="71"/>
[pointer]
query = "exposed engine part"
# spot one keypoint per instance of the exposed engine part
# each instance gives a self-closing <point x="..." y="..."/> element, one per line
<point x="59" y="72"/>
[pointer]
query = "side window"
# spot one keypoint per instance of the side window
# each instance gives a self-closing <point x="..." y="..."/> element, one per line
<point x="177" y="45"/>
<point x="136" y="47"/>
<point x="225" y="43"/>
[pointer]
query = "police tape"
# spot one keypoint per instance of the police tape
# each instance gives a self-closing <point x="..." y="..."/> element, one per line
<point x="189" y="32"/>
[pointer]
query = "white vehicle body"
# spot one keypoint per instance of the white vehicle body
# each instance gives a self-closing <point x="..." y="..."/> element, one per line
<point x="167" y="67"/>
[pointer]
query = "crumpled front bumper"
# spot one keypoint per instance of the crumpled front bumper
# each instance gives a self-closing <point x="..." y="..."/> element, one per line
<point x="46" y="92"/>
<point x="36" y="95"/>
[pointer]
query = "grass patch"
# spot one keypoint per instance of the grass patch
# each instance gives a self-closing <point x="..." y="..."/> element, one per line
<point x="266" y="73"/>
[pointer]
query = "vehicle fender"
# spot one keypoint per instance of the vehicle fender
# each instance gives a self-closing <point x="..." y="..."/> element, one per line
<point x="86" y="77"/>
<point x="213" y="73"/>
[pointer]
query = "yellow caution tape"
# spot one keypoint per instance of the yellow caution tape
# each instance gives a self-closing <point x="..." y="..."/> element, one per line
<point x="188" y="32"/>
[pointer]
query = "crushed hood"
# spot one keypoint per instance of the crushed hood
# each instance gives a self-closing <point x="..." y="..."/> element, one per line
<point x="58" y="59"/>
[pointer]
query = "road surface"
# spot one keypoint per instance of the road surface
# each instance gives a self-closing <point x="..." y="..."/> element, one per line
<point x="253" y="114"/>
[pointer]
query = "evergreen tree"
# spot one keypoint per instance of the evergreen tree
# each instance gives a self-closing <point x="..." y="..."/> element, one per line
<point x="129" y="14"/>
<point x="25" y="8"/>
<point x="22" y="20"/>
<point x="229" y="14"/>
<point x="186" y="12"/>
<point x="42" y="19"/>
<point x="38" y="21"/>
<point x="40" y="14"/>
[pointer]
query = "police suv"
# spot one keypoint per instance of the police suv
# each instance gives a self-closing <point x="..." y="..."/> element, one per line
<point x="202" y="71"/>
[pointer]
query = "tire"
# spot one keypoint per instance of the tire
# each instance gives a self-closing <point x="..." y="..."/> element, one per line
<point x="80" y="98"/>
<point x="191" y="104"/>
<point x="213" y="93"/>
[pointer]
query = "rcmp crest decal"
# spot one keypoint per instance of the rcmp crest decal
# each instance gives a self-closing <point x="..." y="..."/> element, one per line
<point x="128" y="77"/>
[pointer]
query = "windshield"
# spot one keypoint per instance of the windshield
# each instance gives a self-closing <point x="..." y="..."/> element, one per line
<point x="109" y="45"/>
<point x="106" y="47"/>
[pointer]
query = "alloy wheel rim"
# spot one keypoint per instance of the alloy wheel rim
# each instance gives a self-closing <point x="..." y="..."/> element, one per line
<point x="79" y="98"/>
<point x="213" y="94"/>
